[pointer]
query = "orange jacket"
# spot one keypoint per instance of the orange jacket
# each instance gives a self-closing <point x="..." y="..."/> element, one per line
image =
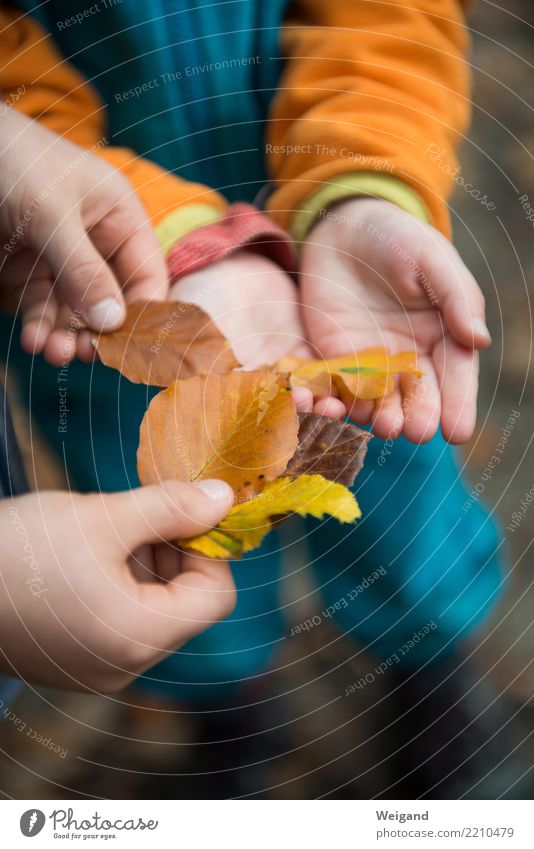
<point x="368" y="87"/>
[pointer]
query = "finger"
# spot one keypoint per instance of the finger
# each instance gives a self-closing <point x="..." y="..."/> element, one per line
<point x="85" y="350"/>
<point x="29" y="280"/>
<point x="388" y="416"/>
<point x="421" y="402"/>
<point x="127" y="239"/>
<point x="451" y="287"/>
<point x="201" y="594"/>
<point x="331" y="407"/>
<point x="361" y="412"/>
<point x="303" y="398"/>
<point x="60" y="347"/>
<point x="457" y="371"/>
<point x="169" y="511"/>
<point x="83" y="277"/>
<point x="39" y="309"/>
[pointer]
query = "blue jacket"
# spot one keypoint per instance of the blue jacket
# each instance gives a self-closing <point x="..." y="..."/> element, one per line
<point x="212" y="69"/>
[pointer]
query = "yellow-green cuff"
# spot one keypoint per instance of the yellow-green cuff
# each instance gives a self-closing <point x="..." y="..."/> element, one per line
<point x="183" y="220"/>
<point x="356" y="184"/>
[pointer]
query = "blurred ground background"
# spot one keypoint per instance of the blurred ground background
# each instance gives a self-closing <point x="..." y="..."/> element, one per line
<point x="155" y="749"/>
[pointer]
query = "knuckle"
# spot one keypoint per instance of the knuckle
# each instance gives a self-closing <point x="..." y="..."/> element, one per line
<point x="225" y="595"/>
<point x="86" y="278"/>
<point x="175" y="500"/>
<point x="84" y="268"/>
<point x="118" y="188"/>
<point x="116" y="177"/>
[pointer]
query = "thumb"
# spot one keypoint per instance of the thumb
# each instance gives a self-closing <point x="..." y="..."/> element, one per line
<point x="82" y="275"/>
<point x="168" y="511"/>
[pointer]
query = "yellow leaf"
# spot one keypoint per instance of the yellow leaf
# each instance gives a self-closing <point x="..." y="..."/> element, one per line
<point x="367" y="374"/>
<point x="244" y="528"/>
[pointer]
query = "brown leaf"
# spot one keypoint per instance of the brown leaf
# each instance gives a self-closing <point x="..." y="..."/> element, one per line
<point x="336" y="450"/>
<point x="163" y="341"/>
<point x="241" y="427"/>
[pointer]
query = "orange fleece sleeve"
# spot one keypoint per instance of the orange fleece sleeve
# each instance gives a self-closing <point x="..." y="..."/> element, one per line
<point x="369" y="87"/>
<point x="38" y="81"/>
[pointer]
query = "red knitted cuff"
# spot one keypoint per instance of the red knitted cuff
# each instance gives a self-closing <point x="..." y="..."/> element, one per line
<point x="241" y="226"/>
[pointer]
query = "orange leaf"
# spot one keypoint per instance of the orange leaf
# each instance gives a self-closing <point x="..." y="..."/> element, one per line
<point x="313" y="374"/>
<point x="241" y="427"/>
<point x="161" y="341"/>
<point x="367" y="374"/>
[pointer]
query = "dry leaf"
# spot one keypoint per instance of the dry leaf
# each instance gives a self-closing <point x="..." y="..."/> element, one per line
<point x="162" y="341"/>
<point x="313" y="374"/>
<point x="367" y="375"/>
<point x="241" y="427"/>
<point x="336" y="450"/>
<point x="248" y="523"/>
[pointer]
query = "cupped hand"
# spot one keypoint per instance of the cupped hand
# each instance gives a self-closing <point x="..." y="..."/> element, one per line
<point x="255" y="304"/>
<point x="372" y="275"/>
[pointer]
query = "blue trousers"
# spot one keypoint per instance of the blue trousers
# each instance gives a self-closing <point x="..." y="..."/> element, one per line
<point x="410" y="580"/>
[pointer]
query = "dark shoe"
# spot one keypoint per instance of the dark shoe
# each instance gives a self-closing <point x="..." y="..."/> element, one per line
<point x="455" y="736"/>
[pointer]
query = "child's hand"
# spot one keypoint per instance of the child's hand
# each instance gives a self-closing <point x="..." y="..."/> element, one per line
<point x="372" y="275"/>
<point x="254" y="302"/>
<point x="73" y="234"/>
<point x="92" y="592"/>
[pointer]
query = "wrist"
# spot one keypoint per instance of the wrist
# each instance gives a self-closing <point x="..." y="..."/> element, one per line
<point x="241" y="226"/>
<point x="359" y="213"/>
<point x="364" y="185"/>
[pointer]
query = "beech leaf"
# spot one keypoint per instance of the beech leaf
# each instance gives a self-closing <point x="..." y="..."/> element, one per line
<point x="336" y="450"/>
<point x="245" y="526"/>
<point x="241" y="427"/>
<point x="163" y="341"/>
<point x="367" y="374"/>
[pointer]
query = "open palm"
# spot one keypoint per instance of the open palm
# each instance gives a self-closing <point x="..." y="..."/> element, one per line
<point x="372" y="275"/>
<point x="255" y="304"/>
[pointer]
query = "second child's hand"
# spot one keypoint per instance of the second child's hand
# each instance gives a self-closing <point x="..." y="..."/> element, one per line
<point x="374" y="276"/>
<point x="255" y="304"/>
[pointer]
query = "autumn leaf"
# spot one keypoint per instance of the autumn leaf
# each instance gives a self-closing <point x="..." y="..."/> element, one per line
<point x="336" y="450"/>
<point x="367" y="375"/>
<point x="241" y="427"/>
<point x="372" y="376"/>
<point x="163" y="341"/>
<point x="313" y="374"/>
<point x="247" y="523"/>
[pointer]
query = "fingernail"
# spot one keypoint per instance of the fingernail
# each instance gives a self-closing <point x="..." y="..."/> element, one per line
<point x="480" y="329"/>
<point x="215" y="489"/>
<point x="106" y="315"/>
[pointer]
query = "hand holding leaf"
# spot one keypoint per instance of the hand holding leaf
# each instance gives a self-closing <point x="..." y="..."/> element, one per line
<point x="242" y="427"/>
